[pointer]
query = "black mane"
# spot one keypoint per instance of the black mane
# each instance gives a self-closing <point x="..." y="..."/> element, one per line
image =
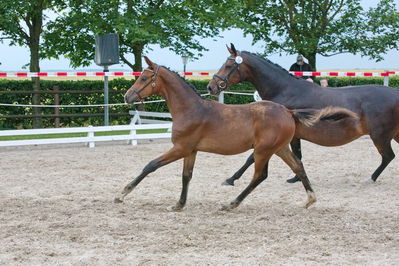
<point x="270" y="62"/>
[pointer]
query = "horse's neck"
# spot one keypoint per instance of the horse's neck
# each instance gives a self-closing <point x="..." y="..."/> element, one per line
<point x="179" y="97"/>
<point x="272" y="83"/>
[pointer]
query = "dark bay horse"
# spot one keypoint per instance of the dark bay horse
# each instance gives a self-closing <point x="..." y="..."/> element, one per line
<point x="377" y="106"/>
<point x="209" y="126"/>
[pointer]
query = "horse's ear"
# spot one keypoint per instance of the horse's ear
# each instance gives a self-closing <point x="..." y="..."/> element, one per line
<point x="229" y="49"/>
<point x="149" y="62"/>
<point x="233" y="49"/>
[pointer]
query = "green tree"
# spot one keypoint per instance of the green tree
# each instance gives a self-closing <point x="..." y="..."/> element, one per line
<point x="23" y="22"/>
<point x="177" y="25"/>
<point x="325" y="27"/>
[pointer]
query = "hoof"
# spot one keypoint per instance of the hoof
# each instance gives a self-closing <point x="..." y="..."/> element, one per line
<point x="311" y="199"/>
<point x="176" y="208"/>
<point x="228" y="182"/>
<point x="309" y="203"/>
<point x="118" y="200"/>
<point x="228" y="207"/>
<point x="293" y="180"/>
<point x="367" y="181"/>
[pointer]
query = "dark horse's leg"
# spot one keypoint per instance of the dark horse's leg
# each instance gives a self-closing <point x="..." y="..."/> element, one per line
<point x="240" y="172"/>
<point x="261" y="166"/>
<point x="385" y="149"/>
<point x="168" y="157"/>
<point x="260" y="174"/>
<point x="188" y="166"/>
<point x="296" y="149"/>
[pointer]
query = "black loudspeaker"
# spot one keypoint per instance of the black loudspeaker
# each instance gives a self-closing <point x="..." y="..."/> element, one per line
<point x="107" y="49"/>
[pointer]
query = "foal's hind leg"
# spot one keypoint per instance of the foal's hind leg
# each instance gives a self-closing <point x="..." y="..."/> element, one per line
<point x="168" y="157"/>
<point x="296" y="165"/>
<point x="260" y="174"/>
<point x="240" y="172"/>
<point x="188" y="166"/>
<point x="385" y="149"/>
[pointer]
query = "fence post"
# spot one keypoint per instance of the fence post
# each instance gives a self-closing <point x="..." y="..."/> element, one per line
<point x="133" y="132"/>
<point x="90" y="135"/>
<point x="56" y="90"/>
<point x="221" y="97"/>
<point x="386" y="79"/>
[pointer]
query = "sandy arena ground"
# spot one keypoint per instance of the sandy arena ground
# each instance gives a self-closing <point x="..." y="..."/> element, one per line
<point x="56" y="207"/>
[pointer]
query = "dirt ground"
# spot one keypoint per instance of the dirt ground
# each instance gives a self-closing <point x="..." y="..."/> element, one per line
<point x="56" y="207"/>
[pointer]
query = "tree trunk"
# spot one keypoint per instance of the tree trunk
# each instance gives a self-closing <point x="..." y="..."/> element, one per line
<point x="312" y="60"/>
<point x="35" y="29"/>
<point x="34" y="67"/>
<point x="138" y="53"/>
<point x="138" y="65"/>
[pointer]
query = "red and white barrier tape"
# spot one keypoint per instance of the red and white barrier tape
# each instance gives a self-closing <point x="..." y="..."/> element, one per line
<point x="130" y="74"/>
<point x="346" y="74"/>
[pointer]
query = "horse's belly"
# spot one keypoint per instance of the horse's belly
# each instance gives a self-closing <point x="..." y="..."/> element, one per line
<point x="327" y="133"/>
<point x="228" y="145"/>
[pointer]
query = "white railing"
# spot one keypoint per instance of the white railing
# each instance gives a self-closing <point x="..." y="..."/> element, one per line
<point x="138" y="117"/>
<point x="90" y="139"/>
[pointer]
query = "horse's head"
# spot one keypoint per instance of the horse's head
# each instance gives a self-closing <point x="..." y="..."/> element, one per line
<point x="146" y="85"/>
<point x="232" y="72"/>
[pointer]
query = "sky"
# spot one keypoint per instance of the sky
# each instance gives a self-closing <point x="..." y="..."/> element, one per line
<point x="13" y="58"/>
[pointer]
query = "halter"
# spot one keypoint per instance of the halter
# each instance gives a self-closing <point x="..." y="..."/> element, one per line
<point x="224" y="80"/>
<point x="152" y="81"/>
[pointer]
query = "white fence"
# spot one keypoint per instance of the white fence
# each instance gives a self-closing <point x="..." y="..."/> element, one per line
<point x="90" y="139"/>
<point x="138" y="117"/>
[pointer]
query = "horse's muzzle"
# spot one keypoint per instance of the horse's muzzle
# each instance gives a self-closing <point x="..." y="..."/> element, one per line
<point x="130" y="97"/>
<point x="213" y="90"/>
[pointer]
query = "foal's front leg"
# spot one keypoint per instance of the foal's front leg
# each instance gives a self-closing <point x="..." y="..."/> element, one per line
<point x="168" y="157"/>
<point x="188" y="166"/>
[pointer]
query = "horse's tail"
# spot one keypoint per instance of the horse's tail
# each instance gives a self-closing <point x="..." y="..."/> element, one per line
<point x="309" y="117"/>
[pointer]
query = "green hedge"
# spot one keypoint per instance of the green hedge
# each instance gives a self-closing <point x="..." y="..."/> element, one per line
<point x="114" y="85"/>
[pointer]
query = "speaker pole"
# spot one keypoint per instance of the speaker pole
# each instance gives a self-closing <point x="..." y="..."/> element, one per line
<point x="106" y="107"/>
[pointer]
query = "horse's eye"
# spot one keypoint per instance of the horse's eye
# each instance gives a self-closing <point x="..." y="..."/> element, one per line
<point x="144" y="78"/>
<point x="228" y="67"/>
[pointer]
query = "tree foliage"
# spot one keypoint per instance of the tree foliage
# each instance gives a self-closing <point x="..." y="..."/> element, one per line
<point x="325" y="27"/>
<point x="177" y="25"/>
<point x="23" y="22"/>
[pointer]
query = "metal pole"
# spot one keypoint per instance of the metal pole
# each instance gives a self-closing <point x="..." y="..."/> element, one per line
<point x="106" y="108"/>
<point x="184" y="58"/>
<point x="184" y="71"/>
<point x="386" y="79"/>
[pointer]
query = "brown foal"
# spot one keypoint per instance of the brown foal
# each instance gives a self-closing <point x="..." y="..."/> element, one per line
<point x="209" y="126"/>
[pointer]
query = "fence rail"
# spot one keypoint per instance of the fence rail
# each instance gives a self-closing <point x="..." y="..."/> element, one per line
<point x="90" y="139"/>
